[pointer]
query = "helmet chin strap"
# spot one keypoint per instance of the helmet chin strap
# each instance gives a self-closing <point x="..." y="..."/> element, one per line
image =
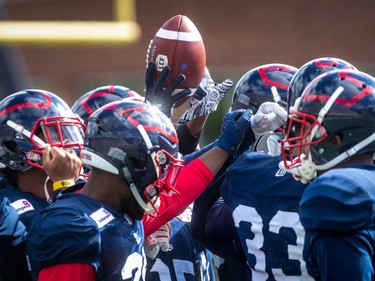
<point x="304" y="173"/>
<point x="147" y="207"/>
<point x="48" y="198"/>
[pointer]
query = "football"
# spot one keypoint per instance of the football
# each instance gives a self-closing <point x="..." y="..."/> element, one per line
<point x="179" y="45"/>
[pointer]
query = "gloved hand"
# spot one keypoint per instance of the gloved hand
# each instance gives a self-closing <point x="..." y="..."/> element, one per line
<point x="268" y="118"/>
<point x="157" y="241"/>
<point x="161" y="95"/>
<point x="235" y="126"/>
<point x="208" y="104"/>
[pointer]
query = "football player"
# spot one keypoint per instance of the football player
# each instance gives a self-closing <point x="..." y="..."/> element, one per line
<point x="84" y="107"/>
<point x="96" y="98"/>
<point x="331" y="133"/>
<point x="262" y="201"/>
<point x="260" y="89"/>
<point x="30" y="121"/>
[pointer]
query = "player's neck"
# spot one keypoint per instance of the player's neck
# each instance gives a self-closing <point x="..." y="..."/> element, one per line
<point x="32" y="181"/>
<point x="105" y="187"/>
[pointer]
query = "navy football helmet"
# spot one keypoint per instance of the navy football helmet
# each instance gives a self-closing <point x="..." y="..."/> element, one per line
<point x="137" y="141"/>
<point x="264" y="83"/>
<point x="92" y="100"/>
<point x="30" y="118"/>
<point x="336" y="103"/>
<point x="310" y="70"/>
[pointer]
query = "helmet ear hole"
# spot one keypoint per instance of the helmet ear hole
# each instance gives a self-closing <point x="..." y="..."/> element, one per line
<point x="11" y="145"/>
<point x="136" y="163"/>
<point x="336" y="139"/>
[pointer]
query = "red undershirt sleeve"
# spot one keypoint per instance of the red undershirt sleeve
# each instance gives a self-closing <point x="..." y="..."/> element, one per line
<point x="68" y="272"/>
<point x="191" y="182"/>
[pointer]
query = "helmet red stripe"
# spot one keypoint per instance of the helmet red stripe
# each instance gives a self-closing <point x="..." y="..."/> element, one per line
<point x="29" y="104"/>
<point x="267" y="81"/>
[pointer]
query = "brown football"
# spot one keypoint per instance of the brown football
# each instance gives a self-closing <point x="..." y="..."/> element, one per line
<point x="179" y="45"/>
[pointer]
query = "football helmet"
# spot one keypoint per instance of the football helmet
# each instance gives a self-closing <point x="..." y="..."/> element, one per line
<point x="310" y="70"/>
<point x="338" y="103"/>
<point x="137" y="141"/>
<point x="100" y="96"/>
<point x="28" y="119"/>
<point x="267" y="82"/>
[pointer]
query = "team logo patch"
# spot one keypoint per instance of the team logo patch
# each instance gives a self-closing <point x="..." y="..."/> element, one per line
<point x="161" y="62"/>
<point x="280" y="173"/>
<point x="102" y="217"/>
<point x="22" y="206"/>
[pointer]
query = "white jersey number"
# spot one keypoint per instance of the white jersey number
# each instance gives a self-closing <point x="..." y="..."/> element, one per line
<point x="281" y="219"/>
<point x="180" y="267"/>
<point x="134" y="268"/>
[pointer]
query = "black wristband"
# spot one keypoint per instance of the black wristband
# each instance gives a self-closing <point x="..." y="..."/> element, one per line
<point x="188" y="142"/>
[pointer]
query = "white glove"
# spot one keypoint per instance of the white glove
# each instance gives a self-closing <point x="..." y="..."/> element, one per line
<point x="208" y="103"/>
<point x="268" y="118"/>
<point x="159" y="240"/>
<point x="269" y="143"/>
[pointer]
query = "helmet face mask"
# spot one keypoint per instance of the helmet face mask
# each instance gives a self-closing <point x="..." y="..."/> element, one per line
<point x="137" y="142"/>
<point x="304" y="131"/>
<point x="336" y="112"/>
<point x="164" y="184"/>
<point x="29" y="119"/>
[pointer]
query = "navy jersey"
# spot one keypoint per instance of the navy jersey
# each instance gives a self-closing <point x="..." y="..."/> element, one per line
<point x="25" y="203"/>
<point x="337" y="211"/>
<point x="264" y="203"/>
<point x="78" y="229"/>
<point x="185" y="260"/>
<point x="15" y="263"/>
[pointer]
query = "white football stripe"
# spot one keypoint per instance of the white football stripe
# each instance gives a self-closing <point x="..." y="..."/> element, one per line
<point x="181" y="36"/>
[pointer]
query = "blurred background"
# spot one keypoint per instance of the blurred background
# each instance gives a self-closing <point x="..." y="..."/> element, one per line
<point x="238" y="35"/>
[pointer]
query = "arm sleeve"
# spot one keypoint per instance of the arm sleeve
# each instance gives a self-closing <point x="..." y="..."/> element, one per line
<point x="354" y="262"/>
<point x="68" y="272"/>
<point x="12" y="230"/>
<point x="190" y="157"/>
<point x="51" y="243"/>
<point x="188" y="142"/>
<point x="210" y="212"/>
<point x="191" y="182"/>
